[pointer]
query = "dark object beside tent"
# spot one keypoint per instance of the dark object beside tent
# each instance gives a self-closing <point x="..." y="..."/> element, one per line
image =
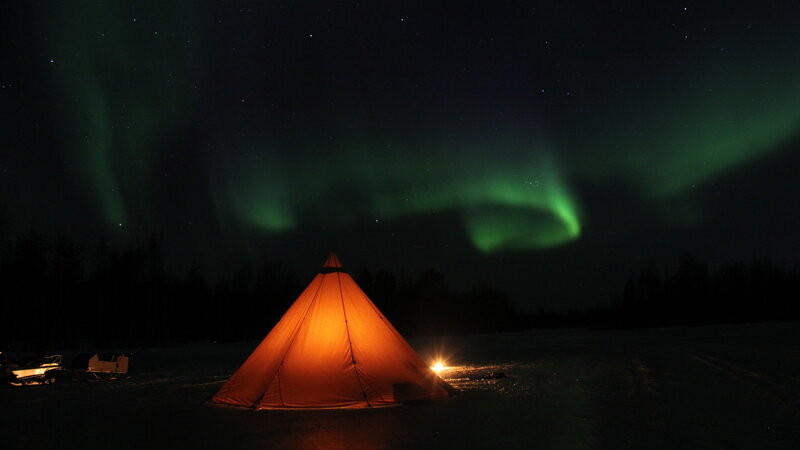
<point x="101" y="363"/>
<point x="29" y="369"/>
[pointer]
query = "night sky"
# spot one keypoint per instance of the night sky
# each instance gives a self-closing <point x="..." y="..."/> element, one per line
<point x="545" y="148"/>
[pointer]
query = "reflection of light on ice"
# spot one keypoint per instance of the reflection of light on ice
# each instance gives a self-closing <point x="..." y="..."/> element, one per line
<point x="473" y="377"/>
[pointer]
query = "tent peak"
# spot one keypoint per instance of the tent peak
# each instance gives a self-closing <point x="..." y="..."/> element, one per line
<point x="332" y="262"/>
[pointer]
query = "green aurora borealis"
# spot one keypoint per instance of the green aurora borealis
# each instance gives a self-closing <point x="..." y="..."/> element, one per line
<point x="121" y="90"/>
<point x="698" y="123"/>
<point x="534" y="128"/>
<point x="504" y="206"/>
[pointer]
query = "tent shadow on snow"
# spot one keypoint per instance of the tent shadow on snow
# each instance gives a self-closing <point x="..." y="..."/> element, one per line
<point x="333" y="348"/>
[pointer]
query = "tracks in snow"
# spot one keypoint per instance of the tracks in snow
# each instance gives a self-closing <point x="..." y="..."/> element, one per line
<point x="765" y="385"/>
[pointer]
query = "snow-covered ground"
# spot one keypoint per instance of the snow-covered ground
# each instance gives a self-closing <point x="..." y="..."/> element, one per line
<point x="720" y="387"/>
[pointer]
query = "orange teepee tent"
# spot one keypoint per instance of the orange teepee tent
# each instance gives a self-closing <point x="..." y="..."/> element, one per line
<point x="332" y="349"/>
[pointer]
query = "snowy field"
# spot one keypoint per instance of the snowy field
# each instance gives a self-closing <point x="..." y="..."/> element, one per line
<point x="720" y="387"/>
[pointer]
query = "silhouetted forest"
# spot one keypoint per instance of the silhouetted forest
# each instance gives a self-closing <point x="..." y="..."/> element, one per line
<point x="57" y="293"/>
<point x="695" y="294"/>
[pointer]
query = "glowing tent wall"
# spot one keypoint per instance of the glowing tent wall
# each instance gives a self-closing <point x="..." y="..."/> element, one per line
<point x="332" y="349"/>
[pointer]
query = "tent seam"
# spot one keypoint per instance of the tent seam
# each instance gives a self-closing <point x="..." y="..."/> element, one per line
<point x="350" y="342"/>
<point x="289" y="348"/>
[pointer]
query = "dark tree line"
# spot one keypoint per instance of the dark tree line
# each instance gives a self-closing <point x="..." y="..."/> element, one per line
<point x="693" y="294"/>
<point x="59" y="293"/>
<point x="426" y="304"/>
<point x="56" y="293"/>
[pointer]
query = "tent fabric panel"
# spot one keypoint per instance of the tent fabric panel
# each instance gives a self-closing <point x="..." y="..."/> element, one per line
<point x="249" y="383"/>
<point x="273" y="395"/>
<point x="388" y="364"/>
<point x="318" y="371"/>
